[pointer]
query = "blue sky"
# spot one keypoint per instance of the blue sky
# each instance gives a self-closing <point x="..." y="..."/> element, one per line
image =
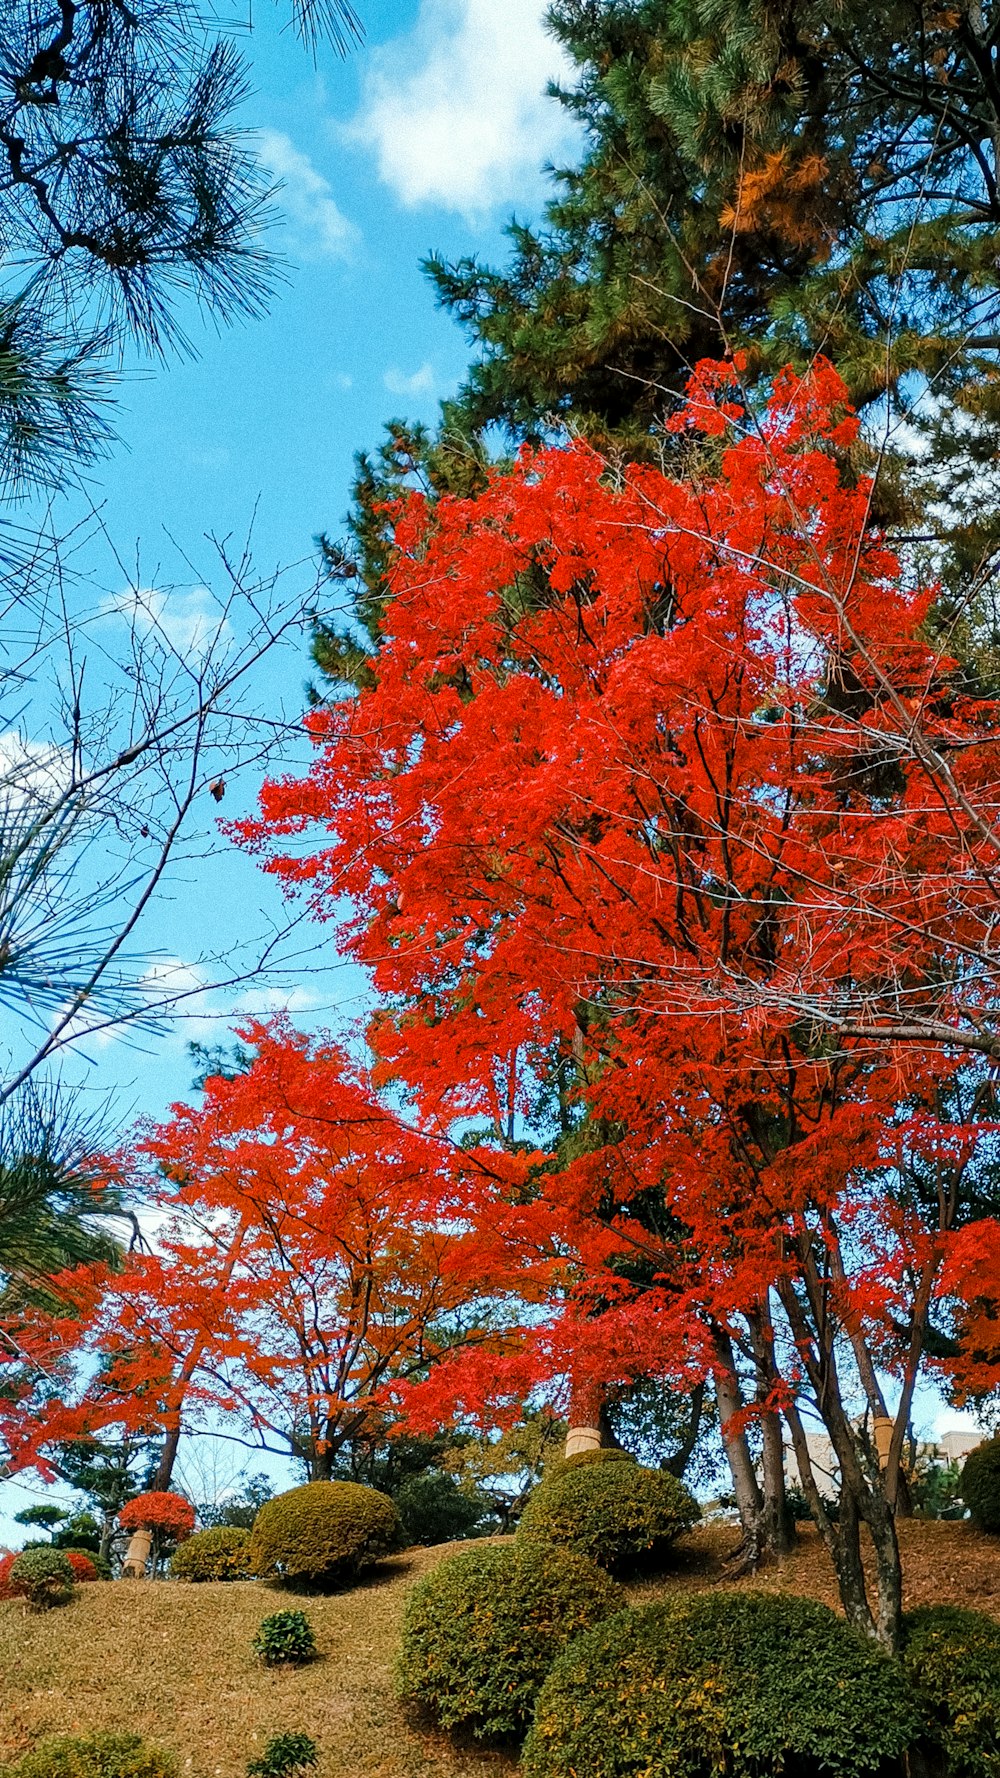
<point x="430" y="135"/>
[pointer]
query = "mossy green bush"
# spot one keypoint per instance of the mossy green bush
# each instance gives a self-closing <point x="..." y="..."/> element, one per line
<point x="481" y="1631"/>
<point x="749" y="1684"/>
<point x="93" y="1756"/>
<point x="980" y="1485"/>
<point x="583" y="1459"/>
<point x="953" y="1659"/>
<point x="42" y="1576"/>
<point x="323" y="1534"/>
<point x="621" y="1515"/>
<point x="220" y="1554"/>
<point x="285" y="1639"/>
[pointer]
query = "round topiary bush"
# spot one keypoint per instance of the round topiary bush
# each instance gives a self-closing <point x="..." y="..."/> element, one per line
<point x="583" y="1460"/>
<point x="99" y="1563"/>
<point x="980" y="1485"/>
<point x="953" y="1659"/>
<point x="323" y="1534"/>
<point x="160" y="1511"/>
<point x="621" y="1515"/>
<point x="743" y="1683"/>
<point x="220" y="1554"/>
<point x="82" y="1564"/>
<point x="93" y="1756"/>
<point x="42" y="1576"/>
<point x="483" y="1628"/>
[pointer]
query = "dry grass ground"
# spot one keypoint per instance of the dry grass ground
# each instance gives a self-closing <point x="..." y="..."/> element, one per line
<point x="173" y="1662"/>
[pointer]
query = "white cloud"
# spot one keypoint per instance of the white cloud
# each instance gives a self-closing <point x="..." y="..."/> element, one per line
<point x="188" y="620"/>
<point x="32" y="772"/>
<point x="456" y="110"/>
<point x="321" y="229"/>
<point x="420" y="383"/>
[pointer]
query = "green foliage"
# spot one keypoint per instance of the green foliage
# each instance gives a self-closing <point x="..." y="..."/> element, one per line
<point x="48" y="1516"/>
<point x="285" y="1639"/>
<point x="43" y="1576"/>
<point x="79" y="1532"/>
<point x="284" y="1756"/>
<point x="953" y="1659"/>
<point x="323" y="1534"/>
<point x="936" y="1490"/>
<point x="561" y="1466"/>
<point x="93" y="1756"/>
<point x="621" y="1515"/>
<point x="743" y="1683"/>
<point x="434" y="1508"/>
<point x="981" y="1485"/>
<point x="483" y="1628"/>
<point x="221" y="1553"/>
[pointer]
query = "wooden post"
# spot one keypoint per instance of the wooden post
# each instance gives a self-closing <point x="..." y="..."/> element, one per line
<point x="137" y="1554"/>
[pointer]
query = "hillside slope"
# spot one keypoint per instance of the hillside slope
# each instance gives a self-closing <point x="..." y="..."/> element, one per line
<point x="173" y="1662"/>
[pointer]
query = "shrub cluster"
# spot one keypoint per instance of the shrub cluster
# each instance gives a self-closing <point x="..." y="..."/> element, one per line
<point x="620" y="1514"/>
<point x="285" y="1638"/>
<point x="99" y="1563"/>
<point x="219" y="1554"/>
<point x="323" y="1534"/>
<point x="745" y="1683"/>
<point x="42" y="1576"/>
<point x="981" y="1485"/>
<point x="953" y="1659"/>
<point x="93" y="1756"/>
<point x="483" y="1628"/>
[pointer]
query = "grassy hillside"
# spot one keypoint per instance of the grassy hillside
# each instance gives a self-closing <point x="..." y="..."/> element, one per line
<point x="173" y="1662"/>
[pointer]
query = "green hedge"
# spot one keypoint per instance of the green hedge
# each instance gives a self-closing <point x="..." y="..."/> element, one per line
<point x="980" y="1485"/>
<point x="621" y="1515"/>
<point x="323" y="1534"/>
<point x="93" y="1756"/>
<point x="222" y="1553"/>
<point x="483" y="1628"/>
<point x="953" y="1659"/>
<point x="746" y="1684"/>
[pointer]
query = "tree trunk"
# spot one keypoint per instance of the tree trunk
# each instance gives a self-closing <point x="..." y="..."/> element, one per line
<point x="137" y="1555"/>
<point x="586" y="1409"/>
<point x="778" y="1524"/>
<point x="746" y="1488"/>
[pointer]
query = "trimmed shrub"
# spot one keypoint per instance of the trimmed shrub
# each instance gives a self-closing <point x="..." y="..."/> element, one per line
<point x="285" y="1756"/>
<point x="94" y="1756"/>
<point x="745" y="1683"/>
<point x="323" y="1534"/>
<point x="220" y="1554"/>
<point x="44" y="1577"/>
<point x="159" y="1510"/>
<point x="980" y="1485"/>
<point x="483" y="1628"/>
<point x="621" y="1515"/>
<point x="81" y="1563"/>
<point x="583" y="1459"/>
<point x="285" y="1638"/>
<point x="953" y="1659"/>
<point x="99" y="1563"/>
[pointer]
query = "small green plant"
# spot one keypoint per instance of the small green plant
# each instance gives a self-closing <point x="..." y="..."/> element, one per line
<point x="285" y="1639"/>
<point x="93" y="1756"/>
<point x="43" y="1576"/>
<point x="285" y="1756"/>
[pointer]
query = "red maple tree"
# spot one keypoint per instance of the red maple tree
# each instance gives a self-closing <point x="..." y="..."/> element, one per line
<point x="627" y="788"/>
